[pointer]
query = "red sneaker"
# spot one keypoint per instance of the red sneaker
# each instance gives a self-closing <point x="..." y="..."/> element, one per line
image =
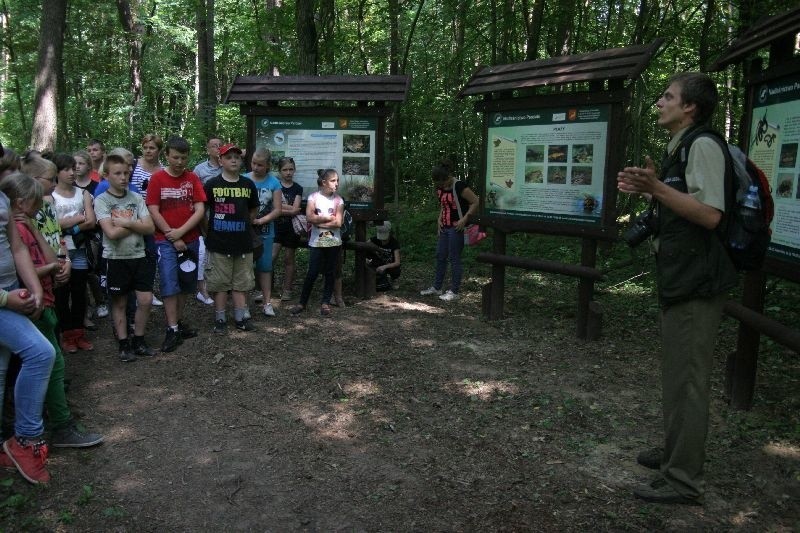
<point x="68" y="341"/>
<point x="82" y="342"/>
<point x="5" y="461"/>
<point x="29" y="456"/>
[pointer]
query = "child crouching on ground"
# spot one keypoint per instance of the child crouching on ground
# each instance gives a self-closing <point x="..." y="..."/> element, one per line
<point x="233" y="204"/>
<point x="385" y="258"/>
<point x="125" y="221"/>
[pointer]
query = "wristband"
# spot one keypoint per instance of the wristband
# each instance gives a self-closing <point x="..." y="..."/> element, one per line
<point x="3" y="298"/>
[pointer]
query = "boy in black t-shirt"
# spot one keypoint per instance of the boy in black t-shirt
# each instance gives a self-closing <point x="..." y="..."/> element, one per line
<point x="232" y="203"/>
<point x="385" y="259"/>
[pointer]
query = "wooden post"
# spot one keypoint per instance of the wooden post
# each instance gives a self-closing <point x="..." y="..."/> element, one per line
<point x="742" y="364"/>
<point x="594" y="325"/>
<point x="497" y="292"/>
<point x="585" y="286"/>
<point x="362" y="273"/>
<point x="486" y="299"/>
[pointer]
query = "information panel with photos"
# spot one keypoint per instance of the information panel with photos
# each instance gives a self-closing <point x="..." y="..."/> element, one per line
<point x="547" y="164"/>
<point x="346" y="144"/>
<point x="773" y="146"/>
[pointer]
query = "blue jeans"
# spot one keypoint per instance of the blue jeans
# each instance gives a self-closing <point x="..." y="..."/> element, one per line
<point x="171" y="285"/>
<point x="449" y="246"/>
<point x="18" y="335"/>
<point x="324" y="259"/>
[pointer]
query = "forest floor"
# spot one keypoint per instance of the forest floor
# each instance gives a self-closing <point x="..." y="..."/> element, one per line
<point x="406" y="413"/>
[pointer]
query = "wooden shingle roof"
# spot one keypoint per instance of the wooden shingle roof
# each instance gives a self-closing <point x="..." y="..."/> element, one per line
<point x="614" y="63"/>
<point x="761" y="35"/>
<point x="319" y="88"/>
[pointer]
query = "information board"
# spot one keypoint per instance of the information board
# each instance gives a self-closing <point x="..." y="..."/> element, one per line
<point x="346" y="144"/>
<point x="547" y="164"/>
<point x="773" y="146"/>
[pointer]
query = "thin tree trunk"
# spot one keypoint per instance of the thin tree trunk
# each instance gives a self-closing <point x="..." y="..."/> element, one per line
<point x="133" y="30"/>
<point x="207" y="91"/>
<point x="307" y="49"/>
<point x="533" y="28"/>
<point x="12" y="60"/>
<point x="44" y="132"/>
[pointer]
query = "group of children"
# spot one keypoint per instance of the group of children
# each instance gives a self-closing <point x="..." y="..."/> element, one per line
<point x="151" y="221"/>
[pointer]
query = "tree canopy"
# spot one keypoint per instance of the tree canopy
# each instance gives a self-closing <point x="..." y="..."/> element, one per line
<point x="131" y="67"/>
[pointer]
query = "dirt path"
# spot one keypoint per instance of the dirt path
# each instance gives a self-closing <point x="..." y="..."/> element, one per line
<point x="396" y="414"/>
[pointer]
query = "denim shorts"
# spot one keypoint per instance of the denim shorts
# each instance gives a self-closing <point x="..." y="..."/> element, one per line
<point x="168" y="269"/>
<point x="264" y="263"/>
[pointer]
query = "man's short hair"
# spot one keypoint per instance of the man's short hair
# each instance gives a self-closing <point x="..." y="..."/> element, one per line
<point x="98" y="142"/>
<point x="699" y="89"/>
<point x="179" y="144"/>
<point x="212" y="137"/>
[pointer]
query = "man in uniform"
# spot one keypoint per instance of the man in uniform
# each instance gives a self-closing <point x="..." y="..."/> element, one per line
<point x="693" y="273"/>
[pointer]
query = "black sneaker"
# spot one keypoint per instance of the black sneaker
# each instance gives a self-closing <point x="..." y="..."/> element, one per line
<point x="185" y="331"/>
<point x="126" y="354"/>
<point x="140" y="347"/>
<point x="73" y="436"/>
<point x="220" y="327"/>
<point x="244" y="325"/>
<point x="172" y="340"/>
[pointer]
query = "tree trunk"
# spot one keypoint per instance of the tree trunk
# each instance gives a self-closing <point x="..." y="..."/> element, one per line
<point x="327" y="21"/>
<point x="48" y="72"/>
<point x="307" y="50"/>
<point x="533" y="28"/>
<point x="12" y="60"/>
<point x="133" y="31"/>
<point x="269" y="37"/>
<point x="207" y="89"/>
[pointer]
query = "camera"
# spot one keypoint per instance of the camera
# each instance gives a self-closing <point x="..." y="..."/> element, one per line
<point x="643" y="227"/>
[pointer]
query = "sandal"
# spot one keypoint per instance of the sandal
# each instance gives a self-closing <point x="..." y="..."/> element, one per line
<point x="297" y="309"/>
<point x="325" y="310"/>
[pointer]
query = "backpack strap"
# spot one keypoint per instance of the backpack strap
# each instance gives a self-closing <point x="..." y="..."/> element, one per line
<point x="682" y="153"/>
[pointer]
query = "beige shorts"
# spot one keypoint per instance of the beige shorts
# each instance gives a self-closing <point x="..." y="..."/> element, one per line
<point x="230" y="272"/>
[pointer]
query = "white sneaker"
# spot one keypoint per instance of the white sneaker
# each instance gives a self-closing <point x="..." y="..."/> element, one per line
<point x="449" y="296"/>
<point x="259" y="298"/>
<point x="203" y="300"/>
<point x="268" y="310"/>
<point x="101" y="311"/>
<point x="157" y="302"/>
<point x="430" y="291"/>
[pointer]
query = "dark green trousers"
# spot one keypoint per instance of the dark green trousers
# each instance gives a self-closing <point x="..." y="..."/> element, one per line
<point x="689" y="333"/>
<point x="55" y="400"/>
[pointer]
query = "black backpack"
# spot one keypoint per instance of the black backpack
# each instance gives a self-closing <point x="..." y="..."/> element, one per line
<point x="745" y="228"/>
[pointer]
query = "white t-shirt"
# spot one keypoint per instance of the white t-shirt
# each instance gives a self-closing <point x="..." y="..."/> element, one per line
<point x="325" y="237"/>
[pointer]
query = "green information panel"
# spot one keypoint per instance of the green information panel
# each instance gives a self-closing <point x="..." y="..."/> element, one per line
<point x="547" y="164"/>
<point x="344" y="143"/>
<point x="773" y="144"/>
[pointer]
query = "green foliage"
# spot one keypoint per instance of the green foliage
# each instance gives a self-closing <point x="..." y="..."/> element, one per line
<point x="87" y="493"/>
<point x="439" y="49"/>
